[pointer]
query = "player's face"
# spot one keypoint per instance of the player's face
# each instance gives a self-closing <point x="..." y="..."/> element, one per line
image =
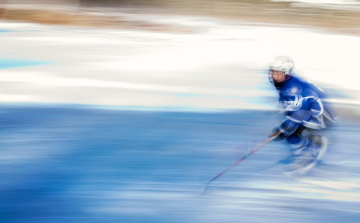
<point x="278" y="76"/>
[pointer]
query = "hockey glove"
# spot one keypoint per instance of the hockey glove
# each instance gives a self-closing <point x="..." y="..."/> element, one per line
<point x="286" y="129"/>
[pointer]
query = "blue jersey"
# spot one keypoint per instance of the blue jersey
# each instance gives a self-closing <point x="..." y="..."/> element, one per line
<point x="303" y="103"/>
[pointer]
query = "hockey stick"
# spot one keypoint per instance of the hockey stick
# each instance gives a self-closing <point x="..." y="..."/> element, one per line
<point x="272" y="137"/>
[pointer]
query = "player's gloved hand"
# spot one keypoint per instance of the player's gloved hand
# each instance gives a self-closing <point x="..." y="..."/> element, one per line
<point x="286" y="129"/>
<point x="275" y="132"/>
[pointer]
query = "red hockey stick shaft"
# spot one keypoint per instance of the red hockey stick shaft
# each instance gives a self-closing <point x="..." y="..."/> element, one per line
<point x="272" y="137"/>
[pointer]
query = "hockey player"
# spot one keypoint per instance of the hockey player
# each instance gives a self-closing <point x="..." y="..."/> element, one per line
<point x="306" y="114"/>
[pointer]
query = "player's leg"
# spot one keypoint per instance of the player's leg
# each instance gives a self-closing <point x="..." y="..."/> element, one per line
<point x="318" y="143"/>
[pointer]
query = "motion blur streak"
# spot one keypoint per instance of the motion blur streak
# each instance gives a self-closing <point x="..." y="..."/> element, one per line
<point x="121" y="111"/>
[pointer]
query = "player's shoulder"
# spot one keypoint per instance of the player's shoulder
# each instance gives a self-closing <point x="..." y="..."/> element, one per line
<point x="308" y="87"/>
<point x="297" y="80"/>
<point x="295" y="85"/>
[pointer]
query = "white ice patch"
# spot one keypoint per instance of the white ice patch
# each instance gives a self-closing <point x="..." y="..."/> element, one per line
<point x="16" y="98"/>
<point x="221" y="59"/>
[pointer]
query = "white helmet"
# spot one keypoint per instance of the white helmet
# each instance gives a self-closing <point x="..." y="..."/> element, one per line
<point x="283" y="63"/>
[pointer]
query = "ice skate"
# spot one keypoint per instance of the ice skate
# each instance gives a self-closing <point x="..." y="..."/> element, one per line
<point x="301" y="164"/>
<point x="319" y="146"/>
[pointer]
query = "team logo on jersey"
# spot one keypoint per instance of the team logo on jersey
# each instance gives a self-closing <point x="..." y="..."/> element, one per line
<point x="293" y="98"/>
<point x="294" y="90"/>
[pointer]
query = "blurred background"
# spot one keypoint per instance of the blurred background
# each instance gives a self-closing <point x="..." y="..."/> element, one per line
<point x="122" y="111"/>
